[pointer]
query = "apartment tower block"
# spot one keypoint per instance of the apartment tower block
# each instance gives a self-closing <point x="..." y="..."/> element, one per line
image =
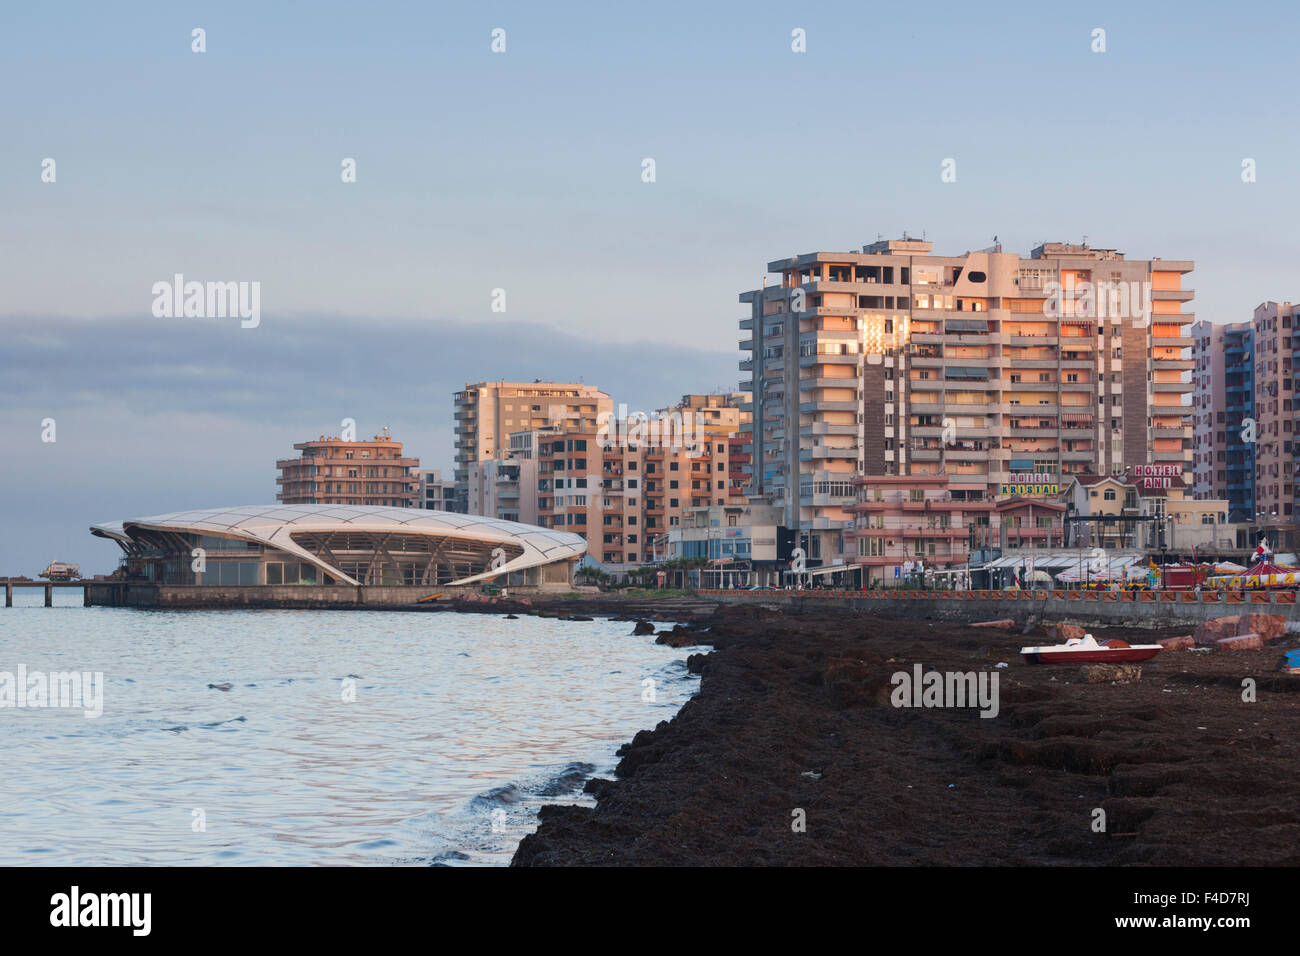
<point x="488" y="412"/>
<point x="982" y="367"/>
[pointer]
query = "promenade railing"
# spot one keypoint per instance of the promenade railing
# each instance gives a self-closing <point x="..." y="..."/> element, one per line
<point x="1215" y="596"/>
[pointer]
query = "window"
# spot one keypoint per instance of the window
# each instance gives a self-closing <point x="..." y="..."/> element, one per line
<point x="871" y="547"/>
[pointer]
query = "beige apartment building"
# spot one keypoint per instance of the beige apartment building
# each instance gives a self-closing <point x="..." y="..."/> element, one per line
<point x="333" y="471"/>
<point x="979" y="367"/>
<point x="721" y="413"/>
<point x="487" y="412"/>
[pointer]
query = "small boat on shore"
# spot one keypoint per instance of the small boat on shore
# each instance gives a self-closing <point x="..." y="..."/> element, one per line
<point x="1087" y="650"/>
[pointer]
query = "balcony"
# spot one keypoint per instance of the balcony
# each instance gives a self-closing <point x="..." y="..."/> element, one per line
<point x="827" y="453"/>
<point x="824" y="428"/>
<point x="807" y="408"/>
<point x="958" y="454"/>
<point x="926" y="408"/>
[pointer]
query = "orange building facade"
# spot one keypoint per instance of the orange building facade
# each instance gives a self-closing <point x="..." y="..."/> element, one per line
<point x="332" y="471"/>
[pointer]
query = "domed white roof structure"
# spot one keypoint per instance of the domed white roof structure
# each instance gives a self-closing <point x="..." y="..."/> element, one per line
<point x="315" y="533"/>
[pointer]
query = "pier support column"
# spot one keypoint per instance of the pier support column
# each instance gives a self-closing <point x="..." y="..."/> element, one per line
<point x="9" y="594"/>
<point x="49" y="595"/>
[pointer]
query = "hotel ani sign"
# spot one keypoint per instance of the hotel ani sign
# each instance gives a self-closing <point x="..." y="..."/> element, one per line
<point x="1156" y="476"/>
<point x="1032" y="484"/>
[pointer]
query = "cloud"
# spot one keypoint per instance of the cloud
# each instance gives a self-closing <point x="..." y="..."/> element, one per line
<point x="154" y="415"/>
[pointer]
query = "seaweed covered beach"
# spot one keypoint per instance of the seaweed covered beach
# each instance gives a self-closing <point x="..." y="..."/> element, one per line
<point x="794" y="753"/>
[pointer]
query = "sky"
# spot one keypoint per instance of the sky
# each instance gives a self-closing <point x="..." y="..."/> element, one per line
<point x="522" y="171"/>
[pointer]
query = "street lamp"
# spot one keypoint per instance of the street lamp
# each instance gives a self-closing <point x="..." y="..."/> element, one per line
<point x="1164" y="546"/>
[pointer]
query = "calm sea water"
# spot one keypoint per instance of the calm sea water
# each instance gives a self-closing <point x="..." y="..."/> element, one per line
<point x="462" y="725"/>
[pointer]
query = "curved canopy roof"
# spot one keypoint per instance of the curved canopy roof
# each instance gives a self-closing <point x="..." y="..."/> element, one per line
<point x="274" y="524"/>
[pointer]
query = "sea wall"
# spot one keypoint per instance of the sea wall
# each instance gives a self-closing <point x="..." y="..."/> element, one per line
<point x="1141" y="608"/>
<point x="341" y="597"/>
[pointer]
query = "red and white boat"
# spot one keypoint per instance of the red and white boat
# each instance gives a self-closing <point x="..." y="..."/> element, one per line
<point x="1087" y="650"/>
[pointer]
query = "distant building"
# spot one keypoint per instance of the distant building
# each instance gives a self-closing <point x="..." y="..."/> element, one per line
<point x="1181" y="522"/>
<point x="435" y="494"/>
<point x="1247" y="420"/>
<point x="1275" y="328"/>
<point x="1223" y="404"/>
<point x="742" y="543"/>
<point x="333" y="471"/>
<point x="940" y="520"/>
<point x="487" y="413"/>
<point x="504" y="488"/>
<point x="625" y="490"/>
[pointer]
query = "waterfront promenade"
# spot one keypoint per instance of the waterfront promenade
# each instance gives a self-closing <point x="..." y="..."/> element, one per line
<point x="1139" y="608"/>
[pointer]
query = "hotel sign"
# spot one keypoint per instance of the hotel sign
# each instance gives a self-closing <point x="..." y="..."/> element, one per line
<point x="1156" y="476"/>
<point x="1032" y="485"/>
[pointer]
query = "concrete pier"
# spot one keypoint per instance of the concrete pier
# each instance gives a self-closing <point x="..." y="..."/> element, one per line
<point x="305" y="597"/>
<point x="47" y="586"/>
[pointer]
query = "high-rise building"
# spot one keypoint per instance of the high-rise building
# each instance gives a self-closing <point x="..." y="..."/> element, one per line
<point x="980" y="367"/>
<point x="487" y="412"/>
<point x="1274" y="325"/>
<point x="1223" y="405"/>
<point x="335" y="471"/>
<point x="624" y="490"/>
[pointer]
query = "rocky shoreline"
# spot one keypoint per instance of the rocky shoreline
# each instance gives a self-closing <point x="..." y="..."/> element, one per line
<point x="793" y="723"/>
